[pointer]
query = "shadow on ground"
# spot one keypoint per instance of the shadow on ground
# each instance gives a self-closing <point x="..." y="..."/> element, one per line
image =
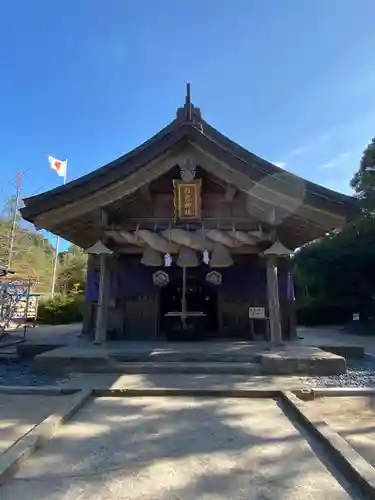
<point x="353" y="418"/>
<point x="178" y="448"/>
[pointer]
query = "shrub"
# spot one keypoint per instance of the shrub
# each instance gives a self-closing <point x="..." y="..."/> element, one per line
<point x="61" y="309"/>
<point x="315" y="312"/>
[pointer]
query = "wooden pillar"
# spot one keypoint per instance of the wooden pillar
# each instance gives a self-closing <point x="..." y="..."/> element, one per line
<point x="292" y="313"/>
<point x="86" y="319"/>
<point x="273" y="299"/>
<point x="102" y="309"/>
<point x="292" y="320"/>
<point x="87" y="309"/>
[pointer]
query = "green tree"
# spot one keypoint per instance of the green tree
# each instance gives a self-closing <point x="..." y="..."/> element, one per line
<point x="32" y="254"/>
<point x="9" y="209"/>
<point x="71" y="273"/>
<point x="335" y="275"/>
<point x="363" y="181"/>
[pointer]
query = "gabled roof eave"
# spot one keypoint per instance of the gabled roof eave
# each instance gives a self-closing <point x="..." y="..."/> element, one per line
<point x="210" y="138"/>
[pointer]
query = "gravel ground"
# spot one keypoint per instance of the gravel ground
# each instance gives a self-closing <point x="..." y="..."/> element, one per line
<point x="18" y="372"/>
<point x="360" y="373"/>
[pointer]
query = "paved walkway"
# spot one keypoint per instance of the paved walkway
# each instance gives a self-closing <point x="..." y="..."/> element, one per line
<point x="333" y="335"/>
<point x="45" y="334"/>
<point x="177" y="448"/>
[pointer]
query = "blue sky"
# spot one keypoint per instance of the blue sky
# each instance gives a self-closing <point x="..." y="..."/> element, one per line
<point x="291" y="80"/>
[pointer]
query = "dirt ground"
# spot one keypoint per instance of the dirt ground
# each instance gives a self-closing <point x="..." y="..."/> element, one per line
<point x="177" y="449"/>
<point x="353" y="417"/>
<point x="20" y="413"/>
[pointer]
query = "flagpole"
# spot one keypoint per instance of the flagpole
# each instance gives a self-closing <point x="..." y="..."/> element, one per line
<point x="57" y="248"/>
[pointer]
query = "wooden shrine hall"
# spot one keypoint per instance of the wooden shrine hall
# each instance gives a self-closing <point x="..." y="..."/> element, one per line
<point x="189" y="237"/>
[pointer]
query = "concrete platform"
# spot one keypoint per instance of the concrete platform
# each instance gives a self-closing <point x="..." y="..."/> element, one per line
<point x="302" y="359"/>
<point x="330" y="339"/>
<point x="202" y="357"/>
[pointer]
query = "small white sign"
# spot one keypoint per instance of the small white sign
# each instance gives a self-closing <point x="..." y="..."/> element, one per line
<point x="257" y="312"/>
<point x="355" y="316"/>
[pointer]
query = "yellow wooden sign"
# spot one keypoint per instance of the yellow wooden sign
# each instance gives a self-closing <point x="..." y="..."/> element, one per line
<point x="187" y="199"/>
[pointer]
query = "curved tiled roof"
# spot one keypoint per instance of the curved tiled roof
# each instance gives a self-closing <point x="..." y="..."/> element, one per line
<point x="187" y="125"/>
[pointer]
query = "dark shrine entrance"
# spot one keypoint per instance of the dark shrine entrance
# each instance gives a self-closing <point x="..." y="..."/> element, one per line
<point x="188" y="308"/>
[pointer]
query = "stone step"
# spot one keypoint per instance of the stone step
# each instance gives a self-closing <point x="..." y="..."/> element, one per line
<point x="8" y="356"/>
<point x="181" y="357"/>
<point x="180" y="367"/>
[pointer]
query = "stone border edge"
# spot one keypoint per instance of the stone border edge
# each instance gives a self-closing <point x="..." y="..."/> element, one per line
<point x="11" y="343"/>
<point x="303" y="393"/>
<point x="12" y="459"/>
<point x="343" y="391"/>
<point x="41" y="390"/>
<point x="159" y="392"/>
<point x="351" y="463"/>
<point x="309" y="393"/>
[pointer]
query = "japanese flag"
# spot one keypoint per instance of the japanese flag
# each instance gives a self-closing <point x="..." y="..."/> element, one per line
<point x="58" y="165"/>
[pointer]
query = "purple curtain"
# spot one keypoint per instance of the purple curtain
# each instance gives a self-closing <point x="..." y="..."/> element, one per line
<point x="132" y="278"/>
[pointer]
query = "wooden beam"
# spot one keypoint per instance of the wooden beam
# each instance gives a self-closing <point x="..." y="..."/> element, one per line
<point x="292" y="232"/>
<point x="249" y="222"/>
<point x="104" y="218"/>
<point x="230" y="193"/>
<point x="145" y="192"/>
<point x="132" y="249"/>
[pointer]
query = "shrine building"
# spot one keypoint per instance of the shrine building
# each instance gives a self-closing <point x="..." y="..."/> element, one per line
<point x="189" y="237"/>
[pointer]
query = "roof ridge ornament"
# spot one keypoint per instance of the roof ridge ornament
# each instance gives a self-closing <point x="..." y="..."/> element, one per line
<point x="189" y="113"/>
<point x="188" y="105"/>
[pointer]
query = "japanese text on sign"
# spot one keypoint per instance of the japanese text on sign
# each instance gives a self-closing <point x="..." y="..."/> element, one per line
<point x="187" y="200"/>
<point x="257" y="312"/>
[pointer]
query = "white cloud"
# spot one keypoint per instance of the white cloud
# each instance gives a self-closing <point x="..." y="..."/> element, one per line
<point x="329" y="164"/>
<point x="308" y="146"/>
<point x="281" y="164"/>
<point x="342" y="185"/>
<point x="360" y="124"/>
<point x="335" y="161"/>
<point x="297" y="151"/>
